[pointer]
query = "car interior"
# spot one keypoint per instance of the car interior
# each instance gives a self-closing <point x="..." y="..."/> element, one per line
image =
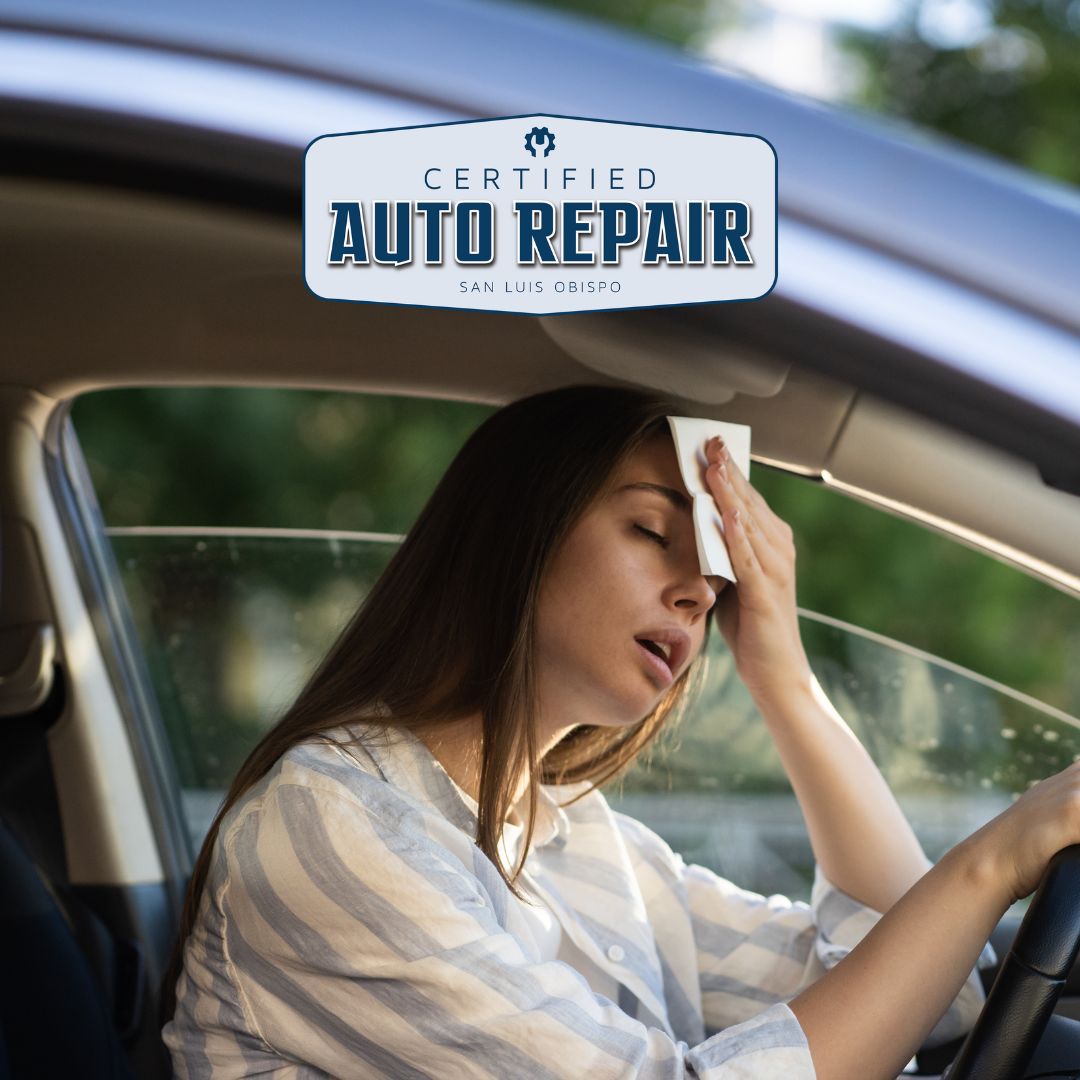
<point x="113" y="281"/>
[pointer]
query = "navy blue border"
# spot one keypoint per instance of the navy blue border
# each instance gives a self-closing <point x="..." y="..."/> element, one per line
<point x="537" y="314"/>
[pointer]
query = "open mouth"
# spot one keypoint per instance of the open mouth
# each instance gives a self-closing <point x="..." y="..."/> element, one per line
<point x="664" y="652"/>
<point x="657" y="656"/>
<point x="665" y="649"/>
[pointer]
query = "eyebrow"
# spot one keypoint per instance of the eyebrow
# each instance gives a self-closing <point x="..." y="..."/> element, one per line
<point x="676" y="498"/>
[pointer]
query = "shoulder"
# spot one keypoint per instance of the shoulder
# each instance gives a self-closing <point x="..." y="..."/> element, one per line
<point x="330" y="763"/>
<point x="330" y="784"/>
<point x="588" y="810"/>
<point x="638" y="837"/>
<point x="325" y="823"/>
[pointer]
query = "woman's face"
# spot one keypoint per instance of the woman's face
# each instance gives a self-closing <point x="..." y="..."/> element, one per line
<point x="624" y="588"/>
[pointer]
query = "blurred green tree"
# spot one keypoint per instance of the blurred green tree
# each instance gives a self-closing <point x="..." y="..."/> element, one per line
<point x="1014" y="91"/>
<point x="300" y="459"/>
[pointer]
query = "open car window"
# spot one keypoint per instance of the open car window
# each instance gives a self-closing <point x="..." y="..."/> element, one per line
<point x="950" y="666"/>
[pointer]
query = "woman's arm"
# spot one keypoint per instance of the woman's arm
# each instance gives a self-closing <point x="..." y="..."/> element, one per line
<point x="902" y="975"/>
<point x="861" y="838"/>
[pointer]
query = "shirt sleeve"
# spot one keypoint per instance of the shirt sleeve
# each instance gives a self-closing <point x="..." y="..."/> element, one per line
<point x="361" y="946"/>
<point x="843" y="922"/>
<point x="754" y="950"/>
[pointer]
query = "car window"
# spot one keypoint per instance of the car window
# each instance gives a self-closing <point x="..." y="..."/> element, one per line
<point x="955" y="747"/>
<point x="231" y="623"/>
<point x="950" y="666"/>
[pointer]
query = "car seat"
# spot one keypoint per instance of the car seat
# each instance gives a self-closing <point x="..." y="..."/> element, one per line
<point x="69" y="990"/>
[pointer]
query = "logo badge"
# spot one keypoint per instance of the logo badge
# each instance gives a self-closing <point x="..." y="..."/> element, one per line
<point x="540" y="215"/>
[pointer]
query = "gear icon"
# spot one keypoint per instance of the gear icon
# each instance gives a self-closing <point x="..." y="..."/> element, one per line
<point x="539" y="136"/>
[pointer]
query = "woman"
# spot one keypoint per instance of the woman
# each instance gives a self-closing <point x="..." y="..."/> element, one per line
<point x="413" y="874"/>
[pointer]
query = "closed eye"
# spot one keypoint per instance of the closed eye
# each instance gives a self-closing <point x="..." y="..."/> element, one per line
<point x="654" y="536"/>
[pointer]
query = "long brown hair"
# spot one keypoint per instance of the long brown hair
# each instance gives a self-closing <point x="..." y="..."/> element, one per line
<point x="447" y="631"/>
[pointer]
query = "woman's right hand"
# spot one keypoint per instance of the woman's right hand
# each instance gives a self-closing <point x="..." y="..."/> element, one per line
<point x="1015" y="847"/>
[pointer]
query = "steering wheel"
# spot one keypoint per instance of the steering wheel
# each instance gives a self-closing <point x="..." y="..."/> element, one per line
<point x="1030" y="980"/>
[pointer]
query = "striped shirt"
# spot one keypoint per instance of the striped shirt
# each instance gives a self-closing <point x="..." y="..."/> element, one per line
<point x="350" y="926"/>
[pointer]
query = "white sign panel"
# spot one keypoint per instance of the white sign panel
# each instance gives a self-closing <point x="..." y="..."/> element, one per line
<point x="540" y="215"/>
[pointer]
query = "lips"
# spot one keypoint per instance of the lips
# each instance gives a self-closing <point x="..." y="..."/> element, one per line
<point x="665" y="649"/>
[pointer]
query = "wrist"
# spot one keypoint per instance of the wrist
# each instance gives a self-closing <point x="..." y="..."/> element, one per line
<point x="976" y="861"/>
<point x="795" y="692"/>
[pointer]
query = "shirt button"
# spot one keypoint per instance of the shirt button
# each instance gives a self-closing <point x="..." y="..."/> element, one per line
<point x="616" y="954"/>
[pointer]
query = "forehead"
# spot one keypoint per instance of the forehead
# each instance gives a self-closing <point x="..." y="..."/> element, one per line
<point x="654" y="462"/>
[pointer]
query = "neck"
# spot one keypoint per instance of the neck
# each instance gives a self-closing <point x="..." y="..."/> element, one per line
<point x="456" y="745"/>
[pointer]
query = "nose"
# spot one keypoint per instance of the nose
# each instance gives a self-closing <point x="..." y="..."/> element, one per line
<point x="698" y="591"/>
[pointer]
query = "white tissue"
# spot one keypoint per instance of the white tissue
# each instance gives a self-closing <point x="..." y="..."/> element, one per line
<point x="691" y="433"/>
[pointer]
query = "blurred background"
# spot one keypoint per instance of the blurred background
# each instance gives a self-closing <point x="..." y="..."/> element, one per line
<point x="243" y="555"/>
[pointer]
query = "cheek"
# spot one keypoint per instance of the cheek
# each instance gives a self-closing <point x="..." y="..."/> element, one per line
<point x="602" y="586"/>
<point x="586" y="589"/>
<point x="584" y="561"/>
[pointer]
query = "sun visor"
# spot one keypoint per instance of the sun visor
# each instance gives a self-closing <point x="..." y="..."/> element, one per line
<point x="675" y="352"/>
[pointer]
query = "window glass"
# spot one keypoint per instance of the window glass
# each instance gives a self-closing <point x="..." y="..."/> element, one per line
<point x="955" y="747"/>
<point x="231" y="624"/>
<point x="307" y="459"/>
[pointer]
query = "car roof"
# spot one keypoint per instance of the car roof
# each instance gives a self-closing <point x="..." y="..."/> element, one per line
<point x="892" y="186"/>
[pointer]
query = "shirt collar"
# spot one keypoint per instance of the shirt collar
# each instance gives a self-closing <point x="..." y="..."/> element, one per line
<point x="404" y="760"/>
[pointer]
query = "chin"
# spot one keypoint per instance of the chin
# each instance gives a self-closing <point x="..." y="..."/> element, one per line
<point x="634" y="711"/>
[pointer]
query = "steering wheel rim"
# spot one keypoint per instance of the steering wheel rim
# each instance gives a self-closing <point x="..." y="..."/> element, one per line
<point x="1030" y="980"/>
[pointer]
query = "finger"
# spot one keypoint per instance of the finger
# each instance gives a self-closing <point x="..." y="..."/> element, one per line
<point x="744" y="560"/>
<point x="745" y="490"/>
<point x="734" y="517"/>
<point x="767" y="554"/>
<point x="778" y="530"/>
<point x="773" y="542"/>
<point x="770" y="555"/>
<point x="766" y="517"/>
<point x="718" y="478"/>
<point x="717" y="452"/>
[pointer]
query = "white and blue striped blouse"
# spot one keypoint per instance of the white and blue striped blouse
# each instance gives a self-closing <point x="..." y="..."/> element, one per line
<point x="351" y="927"/>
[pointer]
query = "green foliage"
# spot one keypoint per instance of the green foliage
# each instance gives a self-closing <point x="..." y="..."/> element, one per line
<point x="271" y="458"/>
<point x="1014" y="92"/>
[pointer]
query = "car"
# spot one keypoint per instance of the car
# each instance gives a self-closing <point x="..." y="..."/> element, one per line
<point x="917" y="368"/>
